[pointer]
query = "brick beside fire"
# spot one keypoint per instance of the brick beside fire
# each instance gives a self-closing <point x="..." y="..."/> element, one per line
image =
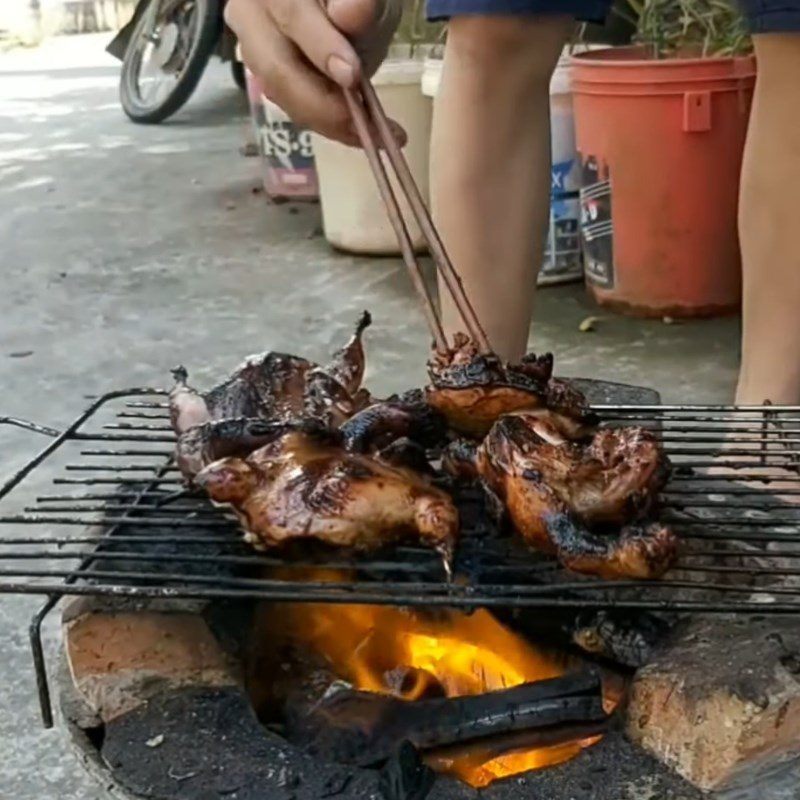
<point x="119" y="659"/>
<point x="144" y="673"/>
<point x="721" y="704"/>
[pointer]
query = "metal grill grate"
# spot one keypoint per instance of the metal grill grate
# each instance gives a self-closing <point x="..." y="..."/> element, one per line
<point x="118" y="522"/>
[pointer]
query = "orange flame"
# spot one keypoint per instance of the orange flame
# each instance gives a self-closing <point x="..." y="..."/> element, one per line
<point x="411" y="653"/>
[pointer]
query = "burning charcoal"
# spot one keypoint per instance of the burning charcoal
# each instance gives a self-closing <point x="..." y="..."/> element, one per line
<point x="625" y="638"/>
<point x="286" y="679"/>
<point x="405" y="776"/>
<point x="287" y="778"/>
<point x="484" y="750"/>
<point x="336" y="784"/>
<point x="413" y="683"/>
<point x="791" y="663"/>
<point x="365" y="728"/>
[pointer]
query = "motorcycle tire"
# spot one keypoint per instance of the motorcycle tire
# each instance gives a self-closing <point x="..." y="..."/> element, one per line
<point x="237" y="71"/>
<point x="209" y="26"/>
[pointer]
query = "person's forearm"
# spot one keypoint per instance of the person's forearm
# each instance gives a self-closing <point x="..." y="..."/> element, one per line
<point x="490" y="166"/>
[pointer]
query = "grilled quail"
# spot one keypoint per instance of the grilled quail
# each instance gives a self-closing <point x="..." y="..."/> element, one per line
<point x="270" y="386"/>
<point x="552" y="488"/>
<point x="460" y="454"/>
<point x="639" y="551"/>
<point x="459" y="459"/>
<point x="473" y="389"/>
<point x="303" y="487"/>
<point x="347" y="365"/>
<point x="382" y="423"/>
<point x="333" y="393"/>
<point x="277" y="387"/>
<point x="613" y="478"/>
<point x="203" y="444"/>
<point x="397" y="431"/>
<point x="407" y="453"/>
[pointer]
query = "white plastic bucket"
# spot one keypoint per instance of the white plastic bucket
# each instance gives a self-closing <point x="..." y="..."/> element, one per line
<point x="562" y="256"/>
<point x="431" y="76"/>
<point x="353" y="214"/>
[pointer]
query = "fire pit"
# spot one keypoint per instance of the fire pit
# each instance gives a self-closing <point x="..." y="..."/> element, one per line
<point x="183" y="637"/>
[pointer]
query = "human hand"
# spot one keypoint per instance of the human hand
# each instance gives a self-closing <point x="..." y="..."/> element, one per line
<point x="304" y="56"/>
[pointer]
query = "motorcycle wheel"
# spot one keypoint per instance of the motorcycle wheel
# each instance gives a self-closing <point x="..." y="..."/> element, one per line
<point x="174" y="50"/>
<point x="237" y="71"/>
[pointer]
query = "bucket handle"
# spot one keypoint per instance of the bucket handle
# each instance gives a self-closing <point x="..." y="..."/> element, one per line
<point x="696" y="112"/>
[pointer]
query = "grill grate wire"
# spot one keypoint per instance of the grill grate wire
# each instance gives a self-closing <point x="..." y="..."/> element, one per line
<point x="144" y="536"/>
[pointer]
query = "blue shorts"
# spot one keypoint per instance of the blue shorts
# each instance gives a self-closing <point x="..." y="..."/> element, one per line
<point x="764" y="16"/>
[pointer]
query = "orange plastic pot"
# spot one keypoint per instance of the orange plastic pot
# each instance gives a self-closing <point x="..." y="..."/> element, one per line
<point x="661" y="143"/>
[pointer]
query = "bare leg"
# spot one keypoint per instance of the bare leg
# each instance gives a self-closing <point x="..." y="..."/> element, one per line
<point x="768" y="209"/>
<point x="490" y="165"/>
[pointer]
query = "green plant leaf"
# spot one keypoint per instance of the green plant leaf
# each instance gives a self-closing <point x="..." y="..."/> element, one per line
<point x="674" y="27"/>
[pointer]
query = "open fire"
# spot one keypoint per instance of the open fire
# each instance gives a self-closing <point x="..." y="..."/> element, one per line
<point x="155" y="548"/>
<point x="416" y="654"/>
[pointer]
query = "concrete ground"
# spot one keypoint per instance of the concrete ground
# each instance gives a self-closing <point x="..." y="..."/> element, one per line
<point x="127" y="249"/>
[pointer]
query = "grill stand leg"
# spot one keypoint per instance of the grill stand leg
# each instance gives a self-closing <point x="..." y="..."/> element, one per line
<point x="42" y="685"/>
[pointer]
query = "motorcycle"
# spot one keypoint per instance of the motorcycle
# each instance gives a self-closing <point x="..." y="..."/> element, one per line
<point x="164" y="50"/>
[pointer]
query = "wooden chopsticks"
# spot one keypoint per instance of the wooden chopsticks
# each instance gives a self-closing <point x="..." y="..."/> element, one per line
<point x="369" y="119"/>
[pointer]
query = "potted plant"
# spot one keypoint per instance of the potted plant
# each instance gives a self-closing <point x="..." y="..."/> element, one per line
<point x="352" y="210"/>
<point x="660" y="128"/>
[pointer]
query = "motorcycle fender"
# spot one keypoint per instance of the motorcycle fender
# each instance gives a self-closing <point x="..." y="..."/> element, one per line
<point x="119" y="44"/>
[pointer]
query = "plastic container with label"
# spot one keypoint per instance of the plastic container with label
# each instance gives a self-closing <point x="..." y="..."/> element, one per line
<point x="562" y="261"/>
<point x="562" y="251"/>
<point x="661" y="145"/>
<point x="353" y="214"/>
<point x="286" y="150"/>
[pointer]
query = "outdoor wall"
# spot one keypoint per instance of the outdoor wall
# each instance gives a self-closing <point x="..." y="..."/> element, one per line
<point x="30" y="20"/>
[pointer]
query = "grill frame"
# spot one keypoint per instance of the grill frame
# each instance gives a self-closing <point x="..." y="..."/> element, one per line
<point x="692" y="435"/>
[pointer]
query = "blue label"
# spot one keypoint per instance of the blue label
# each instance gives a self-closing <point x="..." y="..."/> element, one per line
<point x="558" y="175"/>
<point x="564" y="209"/>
